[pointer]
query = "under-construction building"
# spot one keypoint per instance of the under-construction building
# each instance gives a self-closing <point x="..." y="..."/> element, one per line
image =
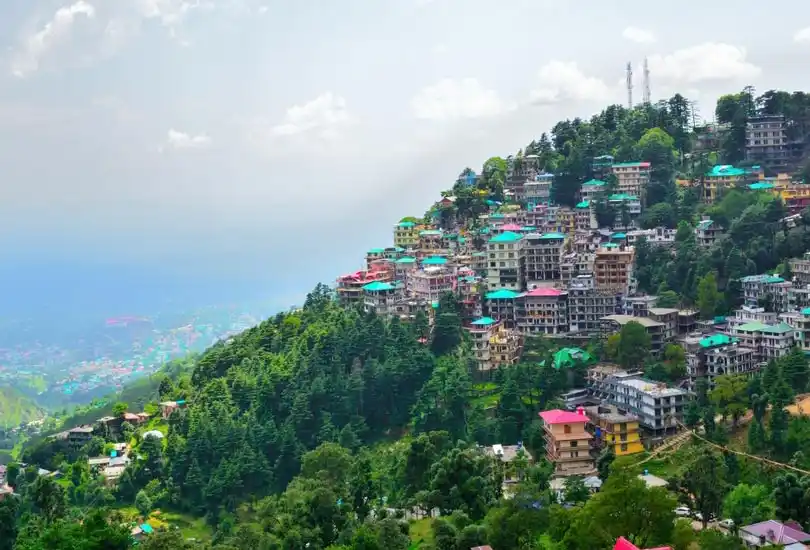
<point x="587" y="304"/>
<point x="542" y="254"/>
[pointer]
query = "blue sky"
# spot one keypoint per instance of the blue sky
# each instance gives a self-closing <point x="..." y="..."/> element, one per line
<point x="263" y="146"/>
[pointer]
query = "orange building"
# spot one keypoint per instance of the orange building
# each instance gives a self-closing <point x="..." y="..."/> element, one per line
<point x="568" y="443"/>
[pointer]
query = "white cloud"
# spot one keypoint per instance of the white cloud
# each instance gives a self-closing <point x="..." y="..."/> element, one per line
<point x="325" y="116"/>
<point x="802" y="36"/>
<point x="176" y="139"/>
<point x="440" y="49"/>
<point x="451" y="99"/>
<point x="564" y="81"/>
<point x="705" y="62"/>
<point x="635" y="34"/>
<point x="39" y="44"/>
<point x="170" y="12"/>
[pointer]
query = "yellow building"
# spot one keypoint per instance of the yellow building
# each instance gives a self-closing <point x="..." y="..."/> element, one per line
<point x="406" y="234"/>
<point x="619" y="431"/>
<point x="720" y="178"/>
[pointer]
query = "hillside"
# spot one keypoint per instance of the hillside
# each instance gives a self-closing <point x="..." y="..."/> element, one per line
<point x="16" y="408"/>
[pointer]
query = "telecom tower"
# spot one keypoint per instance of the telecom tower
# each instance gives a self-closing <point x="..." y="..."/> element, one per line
<point x="629" y="85"/>
<point x="646" y="97"/>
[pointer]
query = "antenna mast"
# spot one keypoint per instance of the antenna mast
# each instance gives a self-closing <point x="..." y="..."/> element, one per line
<point x="629" y="85"/>
<point x="646" y="83"/>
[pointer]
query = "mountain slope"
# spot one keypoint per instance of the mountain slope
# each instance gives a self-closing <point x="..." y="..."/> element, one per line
<point x="16" y="408"/>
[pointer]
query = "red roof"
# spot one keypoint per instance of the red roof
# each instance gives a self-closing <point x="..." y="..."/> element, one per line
<point x="624" y="544"/>
<point x="558" y="416"/>
<point x="544" y="292"/>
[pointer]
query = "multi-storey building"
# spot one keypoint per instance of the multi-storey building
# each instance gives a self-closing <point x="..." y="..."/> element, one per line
<point x="502" y="305"/>
<point x="543" y="254"/>
<point x="627" y="209"/>
<point x="380" y="297"/>
<point x="802" y="334"/>
<point x="613" y="269"/>
<point x="431" y="243"/>
<point x="706" y="232"/>
<point x="655" y="330"/>
<point x="657" y="407"/>
<point x="758" y="287"/>
<point x="506" y="267"/>
<point x="767" y="142"/>
<point x="749" y="314"/>
<point x="639" y="305"/>
<point x="406" y="234"/>
<point x="720" y="178"/>
<point x="587" y="304"/>
<point x="768" y="341"/>
<point x="469" y="293"/>
<point x="657" y="236"/>
<point x="350" y="287"/>
<point x="715" y="355"/>
<point x="431" y="282"/>
<point x="584" y="216"/>
<point x="633" y="178"/>
<point x="568" y="442"/>
<point x="618" y="431"/>
<point x="494" y="345"/>
<point x="800" y="267"/>
<point x="561" y="219"/>
<point x="538" y="190"/>
<point x="543" y="311"/>
<point x="591" y="189"/>
<point x="403" y="267"/>
<point x="667" y="317"/>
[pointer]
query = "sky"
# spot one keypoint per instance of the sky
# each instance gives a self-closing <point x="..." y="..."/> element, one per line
<point x="252" y="148"/>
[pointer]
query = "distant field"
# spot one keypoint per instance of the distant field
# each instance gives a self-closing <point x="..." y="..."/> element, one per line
<point x="16" y="408"/>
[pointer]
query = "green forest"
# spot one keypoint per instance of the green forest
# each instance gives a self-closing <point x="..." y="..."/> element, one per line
<point x="333" y="428"/>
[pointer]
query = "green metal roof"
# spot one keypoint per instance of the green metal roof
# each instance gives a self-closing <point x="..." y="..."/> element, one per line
<point x="595" y="183"/>
<point x="406" y="225"/>
<point x="528" y="228"/>
<point x="430" y="233"/>
<point x="619" y="236"/>
<point x="377" y="286"/>
<point x="630" y="164"/>
<point x="567" y="357"/>
<point x="622" y="197"/>
<point x="806" y="311"/>
<point x="764" y="278"/>
<point x="715" y="340"/>
<point x="484" y="321"/>
<point x="753" y="326"/>
<point x="583" y="204"/>
<point x="376" y="251"/>
<point x="405" y="260"/>
<point x="760" y="186"/>
<point x="506" y="237"/>
<point x="551" y="236"/>
<point x="434" y="260"/>
<point x="781" y="328"/>
<point x="496" y="216"/>
<point x="723" y="170"/>
<point x="503" y="294"/>
<point x="611" y="245"/>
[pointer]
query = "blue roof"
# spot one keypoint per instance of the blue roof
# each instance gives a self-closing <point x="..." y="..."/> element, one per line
<point x="434" y="260"/>
<point x="146" y="528"/>
<point x="506" y="237"/>
<point x="484" y="321"/>
<point x="722" y="170"/>
<point x="552" y="236"/>
<point x="618" y="236"/>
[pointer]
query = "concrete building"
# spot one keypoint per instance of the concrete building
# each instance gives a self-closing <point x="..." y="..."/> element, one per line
<point x="587" y="305"/>
<point x="613" y="269"/>
<point x="713" y="355"/>
<point x="627" y="208"/>
<point x="757" y="287"/>
<point x="633" y="178"/>
<point x="768" y="341"/>
<point x="749" y="314"/>
<point x="802" y="324"/>
<point x="707" y="232"/>
<point x="350" y="287"/>
<point x="431" y="282"/>
<point x="543" y="254"/>
<point x="591" y="189"/>
<point x="502" y="305"/>
<point x="560" y="219"/>
<point x="615" y="430"/>
<point x="431" y="243"/>
<point x="494" y="345"/>
<point x="568" y="442"/>
<point x="543" y="311"/>
<point x="79" y="436"/>
<point x="657" y="407"/>
<point x="800" y="267"/>
<point x="406" y="235"/>
<point x="667" y="317"/>
<point x="403" y="267"/>
<point x="719" y="179"/>
<point x="506" y="268"/>
<point x="381" y="297"/>
<point x="658" y="236"/>
<point x="767" y="142"/>
<point x="584" y="216"/>
<point x="656" y="331"/>
<point x="538" y="190"/>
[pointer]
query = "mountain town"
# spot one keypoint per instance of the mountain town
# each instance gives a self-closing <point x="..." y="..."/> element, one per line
<point x="597" y="342"/>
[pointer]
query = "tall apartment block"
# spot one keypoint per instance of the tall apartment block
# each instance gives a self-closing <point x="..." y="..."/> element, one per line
<point x="543" y="311"/>
<point x="633" y="178"/>
<point x="568" y="442"/>
<point x="613" y="269"/>
<point x="543" y="254"/>
<point x="587" y="305"/>
<point x="770" y="142"/>
<point x="506" y="262"/>
<point x="714" y="355"/>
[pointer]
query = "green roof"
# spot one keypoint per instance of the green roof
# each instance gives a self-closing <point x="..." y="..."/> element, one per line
<point x="528" y="228"/>
<point x="764" y="278"/>
<point x="583" y="204"/>
<point x="406" y="224"/>
<point x="376" y="251"/>
<point x="618" y="236"/>
<point x="503" y="294"/>
<point x="806" y="311"/>
<point x="434" y="304"/>
<point x="567" y="357"/>
<point x="715" y="340"/>
<point x="760" y="185"/>
<point x="611" y="245"/>
<point x="781" y="328"/>
<point x="506" y="237"/>
<point x="629" y="164"/>
<point x="753" y="326"/>
<point x="496" y="216"/>
<point x="378" y="286"/>
<point x="434" y="260"/>
<point x="595" y="183"/>
<point x="484" y="321"/>
<point x="405" y="260"/>
<point x="722" y="170"/>
<point x="550" y="236"/>
<point x="399" y="249"/>
<point x="622" y="197"/>
<point x="430" y="233"/>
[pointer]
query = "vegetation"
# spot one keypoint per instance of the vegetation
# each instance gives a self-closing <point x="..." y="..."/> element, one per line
<point x="16" y="408"/>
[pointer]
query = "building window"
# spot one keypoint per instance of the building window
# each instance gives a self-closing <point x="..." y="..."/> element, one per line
<point x="623" y="447"/>
<point x="566" y="429"/>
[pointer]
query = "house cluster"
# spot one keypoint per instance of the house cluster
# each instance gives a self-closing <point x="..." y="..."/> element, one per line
<point x="112" y="467"/>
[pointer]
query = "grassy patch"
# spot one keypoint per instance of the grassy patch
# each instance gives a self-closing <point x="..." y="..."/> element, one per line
<point x="421" y="533"/>
<point x="487" y="401"/>
<point x="191" y="527"/>
<point x="485" y="387"/>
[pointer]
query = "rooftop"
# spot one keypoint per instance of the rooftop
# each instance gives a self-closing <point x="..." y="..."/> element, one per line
<point x="622" y="197"/>
<point x="776" y="532"/>
<point x="503" y="294"/>
<point x="405" y="260"/>
<point x="484" y="322"/>
<point x="583" y="204"/>
<point x="377" y="286"/>
<point x="714" y="340"/>
<point x="724" y="170"/>
<point x="760" y="186"/>
<point x="511" y="227"/>
<point x="558" y="416"/>
<point x="764" y="278"/>
<point x="632" y="165"/>
<point x="643" y="321"/>
<point x="595" y="183"/>
<point x="430" y="233"/>
<point x="434" y="260"/>
<point x="406" y="225"/>
<point x="552" y="236"/>
<point x="506" y="237"/>
<point x="651" y="387"/>
<point x="753" y="326"/>
<point x="544" y="292"/>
